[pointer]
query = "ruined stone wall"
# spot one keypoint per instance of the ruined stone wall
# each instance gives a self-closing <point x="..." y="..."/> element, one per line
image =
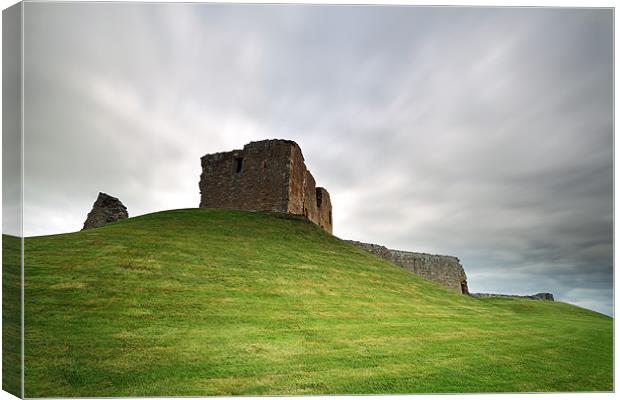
<point x="255" y="178"/>
<point x="297" y="182"/>
<point x="324" y="206"/>
<point x="310" y="207"/>
<point x="538" y="296"/>
<point x="269" y="175"/>
<point x="445" y="270"/>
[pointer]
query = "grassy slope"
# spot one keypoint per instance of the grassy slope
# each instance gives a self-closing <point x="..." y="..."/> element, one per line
<point x="202" y="302"/>
<point x="11" y="314"/>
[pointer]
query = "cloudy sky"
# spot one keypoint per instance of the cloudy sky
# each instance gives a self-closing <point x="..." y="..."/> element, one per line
<point x="483" y="133"/>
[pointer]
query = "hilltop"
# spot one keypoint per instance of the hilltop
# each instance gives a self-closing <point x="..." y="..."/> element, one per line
<point x="217" y="302"/>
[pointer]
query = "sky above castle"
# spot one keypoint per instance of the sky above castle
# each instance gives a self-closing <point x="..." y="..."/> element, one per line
<point x="483" y="133"/>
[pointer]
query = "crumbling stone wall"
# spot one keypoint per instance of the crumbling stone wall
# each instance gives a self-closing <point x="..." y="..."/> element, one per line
<point x="250" y="179"/>
<point x="268" y="175"/>
<point x="445" y="270"/>
<point x="324" y="206"/>
<point x="538" y="296"/>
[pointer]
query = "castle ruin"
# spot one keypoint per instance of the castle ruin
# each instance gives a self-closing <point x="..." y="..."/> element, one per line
<point x="268" y="175"/>
<point x="445" y="270"/>
<point x="271" y="175"/>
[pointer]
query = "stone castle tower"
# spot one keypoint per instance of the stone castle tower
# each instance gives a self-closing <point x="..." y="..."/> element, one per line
<point x="269" y="175"/>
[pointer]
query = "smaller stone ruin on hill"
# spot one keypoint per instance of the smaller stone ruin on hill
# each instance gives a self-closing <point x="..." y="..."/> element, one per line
<point x="105" y="210"/>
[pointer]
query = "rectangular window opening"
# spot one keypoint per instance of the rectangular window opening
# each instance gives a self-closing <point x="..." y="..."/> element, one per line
<point x="238" y="164"/>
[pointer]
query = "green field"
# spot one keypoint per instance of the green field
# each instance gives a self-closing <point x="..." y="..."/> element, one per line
<point x="219" y="302"/>
<point x="11" y="315"/>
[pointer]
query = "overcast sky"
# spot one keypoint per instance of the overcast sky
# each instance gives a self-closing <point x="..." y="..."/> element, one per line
<point x="483" y="133"/>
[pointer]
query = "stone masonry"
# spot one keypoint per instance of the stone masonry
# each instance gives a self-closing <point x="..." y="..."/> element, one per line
<point x="105" y="210"/>
<point x="538" y="296"/>
<point x="268" y="175"/>
<point x="445" y="270"/>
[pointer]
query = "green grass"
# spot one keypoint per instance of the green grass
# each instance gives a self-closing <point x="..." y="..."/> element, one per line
<point x="219" y="302"/>
<point x="11" y="315"/>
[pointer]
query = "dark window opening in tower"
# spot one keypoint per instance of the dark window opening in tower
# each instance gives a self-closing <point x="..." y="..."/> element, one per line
<point x="319" y="198"/>
<point x="238" y="164"/>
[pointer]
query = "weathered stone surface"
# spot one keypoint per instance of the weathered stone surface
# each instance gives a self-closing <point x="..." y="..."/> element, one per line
<point x="324" y="208"/>
<point x="537" y="296"/>
<point x="105" y="210"/>
<point x="445" y="270"/>
<point x="269" y="175"/>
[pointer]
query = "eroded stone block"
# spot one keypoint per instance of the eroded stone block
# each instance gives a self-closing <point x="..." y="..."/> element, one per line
<point x="105" y="210"/>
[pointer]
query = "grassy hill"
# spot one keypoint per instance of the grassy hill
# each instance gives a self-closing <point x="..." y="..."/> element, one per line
<point x="207" y="302"/>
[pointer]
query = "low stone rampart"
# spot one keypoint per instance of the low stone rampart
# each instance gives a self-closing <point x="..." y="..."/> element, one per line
<point x="445" y="270"/>
<point x="537" y="296"/>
